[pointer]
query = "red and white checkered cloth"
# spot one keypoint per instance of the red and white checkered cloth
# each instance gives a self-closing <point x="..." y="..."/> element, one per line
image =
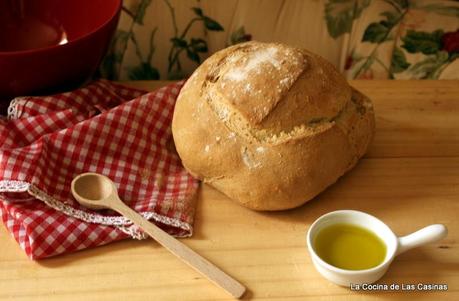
<point x="47" y="141"/>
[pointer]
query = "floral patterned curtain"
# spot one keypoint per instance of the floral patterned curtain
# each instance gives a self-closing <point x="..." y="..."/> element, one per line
<point x="365" y="39"/>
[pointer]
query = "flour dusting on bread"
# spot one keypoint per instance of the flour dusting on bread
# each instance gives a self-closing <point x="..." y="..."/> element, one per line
<point x="263" y="56"/>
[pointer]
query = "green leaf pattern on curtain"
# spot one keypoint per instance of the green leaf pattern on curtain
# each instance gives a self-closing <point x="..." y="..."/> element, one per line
<point x="339" y="15"/>
<point x="180" y="43"/>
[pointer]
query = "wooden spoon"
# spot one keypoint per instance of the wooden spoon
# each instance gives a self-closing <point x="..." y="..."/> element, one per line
<point x="97" y="191"/>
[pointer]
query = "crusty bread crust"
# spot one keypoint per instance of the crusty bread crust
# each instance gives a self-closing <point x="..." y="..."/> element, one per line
<point x="270" y="125"/>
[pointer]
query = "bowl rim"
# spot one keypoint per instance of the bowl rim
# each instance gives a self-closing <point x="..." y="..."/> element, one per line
<point x="69" y="43"/>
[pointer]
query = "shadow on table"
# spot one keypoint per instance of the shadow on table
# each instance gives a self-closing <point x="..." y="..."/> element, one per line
<point x="392" y="189"/>
<point x="113" y="248"/>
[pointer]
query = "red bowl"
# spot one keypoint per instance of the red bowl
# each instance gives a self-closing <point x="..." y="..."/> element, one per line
<point x="52" y="45"/>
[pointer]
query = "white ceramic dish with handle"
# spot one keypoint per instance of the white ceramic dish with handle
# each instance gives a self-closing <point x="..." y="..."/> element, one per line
<point x="394" y="245"/>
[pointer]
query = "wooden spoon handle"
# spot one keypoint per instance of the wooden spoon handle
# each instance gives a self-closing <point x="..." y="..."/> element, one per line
<point x="183" y="252"/>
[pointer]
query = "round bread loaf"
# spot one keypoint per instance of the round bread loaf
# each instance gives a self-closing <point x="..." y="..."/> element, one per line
<point x="270" y="125"/>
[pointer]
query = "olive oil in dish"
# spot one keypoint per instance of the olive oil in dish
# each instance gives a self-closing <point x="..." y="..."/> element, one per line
<point x="350" y="247"/>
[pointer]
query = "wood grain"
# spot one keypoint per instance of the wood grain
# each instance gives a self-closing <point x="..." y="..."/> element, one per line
<point x="409" y="179"/>
<point x="414" y="118"/>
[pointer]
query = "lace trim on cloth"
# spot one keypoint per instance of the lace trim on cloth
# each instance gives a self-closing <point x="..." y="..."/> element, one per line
<point x="13" y="186"/>
<point x="121" y="222"/>
<point x="13" y="112"/>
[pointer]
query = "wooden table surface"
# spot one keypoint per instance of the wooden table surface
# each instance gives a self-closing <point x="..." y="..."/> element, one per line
<point x="409" y="179"/>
